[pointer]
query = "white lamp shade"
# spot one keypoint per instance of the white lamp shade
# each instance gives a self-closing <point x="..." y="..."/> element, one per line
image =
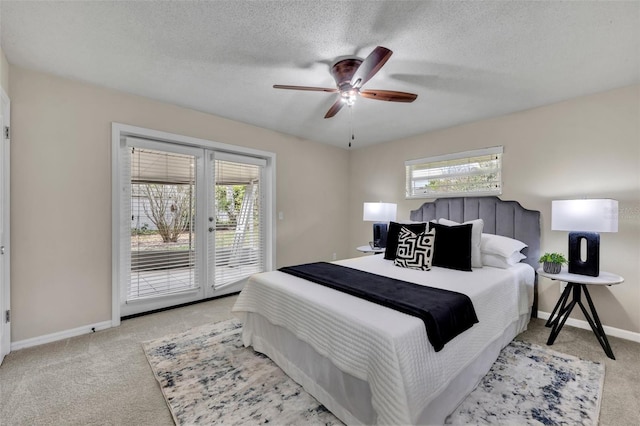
<point x="379" y="212"/>
<point x="595" y="215"/>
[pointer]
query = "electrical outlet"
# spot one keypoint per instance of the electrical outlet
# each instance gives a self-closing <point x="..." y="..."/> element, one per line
<point x="334" y="256"/>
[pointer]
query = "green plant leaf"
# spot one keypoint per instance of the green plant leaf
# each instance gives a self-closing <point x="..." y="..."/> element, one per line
<point x="553" y="258"/>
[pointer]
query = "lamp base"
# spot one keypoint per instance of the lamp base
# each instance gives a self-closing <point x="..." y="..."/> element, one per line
<point x="379" y="235"/>
<point x="591" y="265"/>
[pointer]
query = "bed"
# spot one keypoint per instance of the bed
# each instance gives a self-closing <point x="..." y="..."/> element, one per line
<point x="369" y="364"/>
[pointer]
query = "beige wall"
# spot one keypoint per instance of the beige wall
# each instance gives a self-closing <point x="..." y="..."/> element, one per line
<point x="4" y="72"/>
<point x="61" y="194"/>
<point x="586" y="147"/>
<point x="61" y="183"/>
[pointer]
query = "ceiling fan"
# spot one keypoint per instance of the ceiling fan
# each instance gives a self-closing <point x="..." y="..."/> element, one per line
<point x="350" y="74"/>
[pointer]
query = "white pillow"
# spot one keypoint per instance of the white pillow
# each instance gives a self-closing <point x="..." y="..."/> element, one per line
<point x="410" y="222"/>
<point x="502" y="262"/>
<point x="476" y="236"/>
<point x="497" y="244"/>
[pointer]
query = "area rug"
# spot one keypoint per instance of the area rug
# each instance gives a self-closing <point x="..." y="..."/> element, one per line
<point x="208" y="377"/>
<point x="530" y="384"/>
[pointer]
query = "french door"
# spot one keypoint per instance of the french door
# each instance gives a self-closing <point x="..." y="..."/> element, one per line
<point x="237" y="240"/>
<point x="192" y="223"/>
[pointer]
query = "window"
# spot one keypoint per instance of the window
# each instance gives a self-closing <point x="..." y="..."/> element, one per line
<point x="469" y="173"/>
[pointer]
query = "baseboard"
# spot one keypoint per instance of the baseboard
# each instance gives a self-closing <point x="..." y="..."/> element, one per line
<point x="65" y="334"/>
<point x="60" y="335"/>
<point x="609" y="331"/>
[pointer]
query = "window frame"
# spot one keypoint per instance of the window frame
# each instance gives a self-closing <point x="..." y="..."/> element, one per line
<point x="410" y="192"/>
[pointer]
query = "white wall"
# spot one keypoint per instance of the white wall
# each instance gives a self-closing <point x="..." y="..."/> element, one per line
<point x="61" y="148"/>
<point x="585" y="147"/>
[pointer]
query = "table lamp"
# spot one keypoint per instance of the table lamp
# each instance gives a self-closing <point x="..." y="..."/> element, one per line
<point x="381" y="214"/>
<point x="584" y="219"/>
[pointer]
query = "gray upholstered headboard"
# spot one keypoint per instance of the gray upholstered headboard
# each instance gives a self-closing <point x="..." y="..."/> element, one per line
<point x="507" y="218"/>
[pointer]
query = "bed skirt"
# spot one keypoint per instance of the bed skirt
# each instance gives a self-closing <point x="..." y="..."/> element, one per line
<point x="348" y="397"/>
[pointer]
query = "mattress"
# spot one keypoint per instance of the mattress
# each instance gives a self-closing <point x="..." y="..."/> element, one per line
<point x="385" y="352"/>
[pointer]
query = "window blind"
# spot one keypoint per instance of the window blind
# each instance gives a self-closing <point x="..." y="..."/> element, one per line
<point x="469" y="173"/>
<point x="162" y="197"/>
<point x="239" y="237"/>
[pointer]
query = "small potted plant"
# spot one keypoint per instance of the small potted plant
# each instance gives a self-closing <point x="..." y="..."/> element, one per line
<point x="552" y="262"/>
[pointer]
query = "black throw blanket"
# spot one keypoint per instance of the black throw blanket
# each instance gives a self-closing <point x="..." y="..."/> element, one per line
<point x="445" y="313"/>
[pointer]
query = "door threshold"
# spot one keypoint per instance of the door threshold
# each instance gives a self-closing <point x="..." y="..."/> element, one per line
<point x="126" y="317"/>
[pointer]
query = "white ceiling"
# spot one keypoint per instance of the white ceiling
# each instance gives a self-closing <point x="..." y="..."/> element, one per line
<point x="466" y="60"/>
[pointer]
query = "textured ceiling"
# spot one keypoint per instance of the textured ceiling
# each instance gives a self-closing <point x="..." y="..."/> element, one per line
<point x="465" y="60"/>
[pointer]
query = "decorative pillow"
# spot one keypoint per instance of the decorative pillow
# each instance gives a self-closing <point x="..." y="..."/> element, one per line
<point x="415" y="251"/>
<point x="452" y="247"/>
<point x="497" y="244"/>
<point x="392" y="236"/>
<point x="476" y="236"/>
<point x="502" y="262"/>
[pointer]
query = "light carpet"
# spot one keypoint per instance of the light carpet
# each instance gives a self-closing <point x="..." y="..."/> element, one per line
<point x="207" y="376"/>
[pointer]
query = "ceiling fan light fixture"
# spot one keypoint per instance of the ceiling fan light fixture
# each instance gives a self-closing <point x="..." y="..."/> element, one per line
<point x="349" y="96"/>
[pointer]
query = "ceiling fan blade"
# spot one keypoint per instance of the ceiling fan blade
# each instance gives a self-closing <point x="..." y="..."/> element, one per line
<point x="388" y="95"/>
<point x="337" y="106"/>
<point x="308" y="88"/>
<point x="370" y="66"/>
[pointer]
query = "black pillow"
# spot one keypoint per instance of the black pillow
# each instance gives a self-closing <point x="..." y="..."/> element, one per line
<point x="392" y="236"/>
<point x="452" y="248"/>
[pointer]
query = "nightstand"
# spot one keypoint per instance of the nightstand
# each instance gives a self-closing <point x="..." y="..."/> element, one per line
<point x="576" y="285"/>
<point x="368" y="249"/>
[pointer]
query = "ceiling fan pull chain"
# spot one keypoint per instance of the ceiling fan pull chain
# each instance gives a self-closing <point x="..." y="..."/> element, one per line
<point x="351" y="124"/>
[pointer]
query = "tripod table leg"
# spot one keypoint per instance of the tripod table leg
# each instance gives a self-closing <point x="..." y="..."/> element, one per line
<point x="595" y="324"/>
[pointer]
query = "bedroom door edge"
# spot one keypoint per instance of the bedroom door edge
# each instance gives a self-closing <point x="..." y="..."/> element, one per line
<point x="5" y="240"/>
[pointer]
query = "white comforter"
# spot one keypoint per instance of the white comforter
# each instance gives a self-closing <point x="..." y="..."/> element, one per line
<point x="386" y="348"/>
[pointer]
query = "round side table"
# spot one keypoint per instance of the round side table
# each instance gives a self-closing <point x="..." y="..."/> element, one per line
<point x="368" y="249"/>
<point x="576" y="286"/>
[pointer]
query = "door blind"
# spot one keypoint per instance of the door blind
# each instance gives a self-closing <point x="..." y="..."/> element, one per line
<point x="162" y="236"/>
<point x="238" y="214"/>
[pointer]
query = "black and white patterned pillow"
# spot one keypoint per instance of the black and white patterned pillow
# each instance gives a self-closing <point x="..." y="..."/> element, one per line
<point x="415" y="251"/>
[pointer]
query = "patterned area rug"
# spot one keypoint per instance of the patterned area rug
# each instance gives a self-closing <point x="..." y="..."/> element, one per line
<point x="530" y="384"/>
<point x="208" y="377"/>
